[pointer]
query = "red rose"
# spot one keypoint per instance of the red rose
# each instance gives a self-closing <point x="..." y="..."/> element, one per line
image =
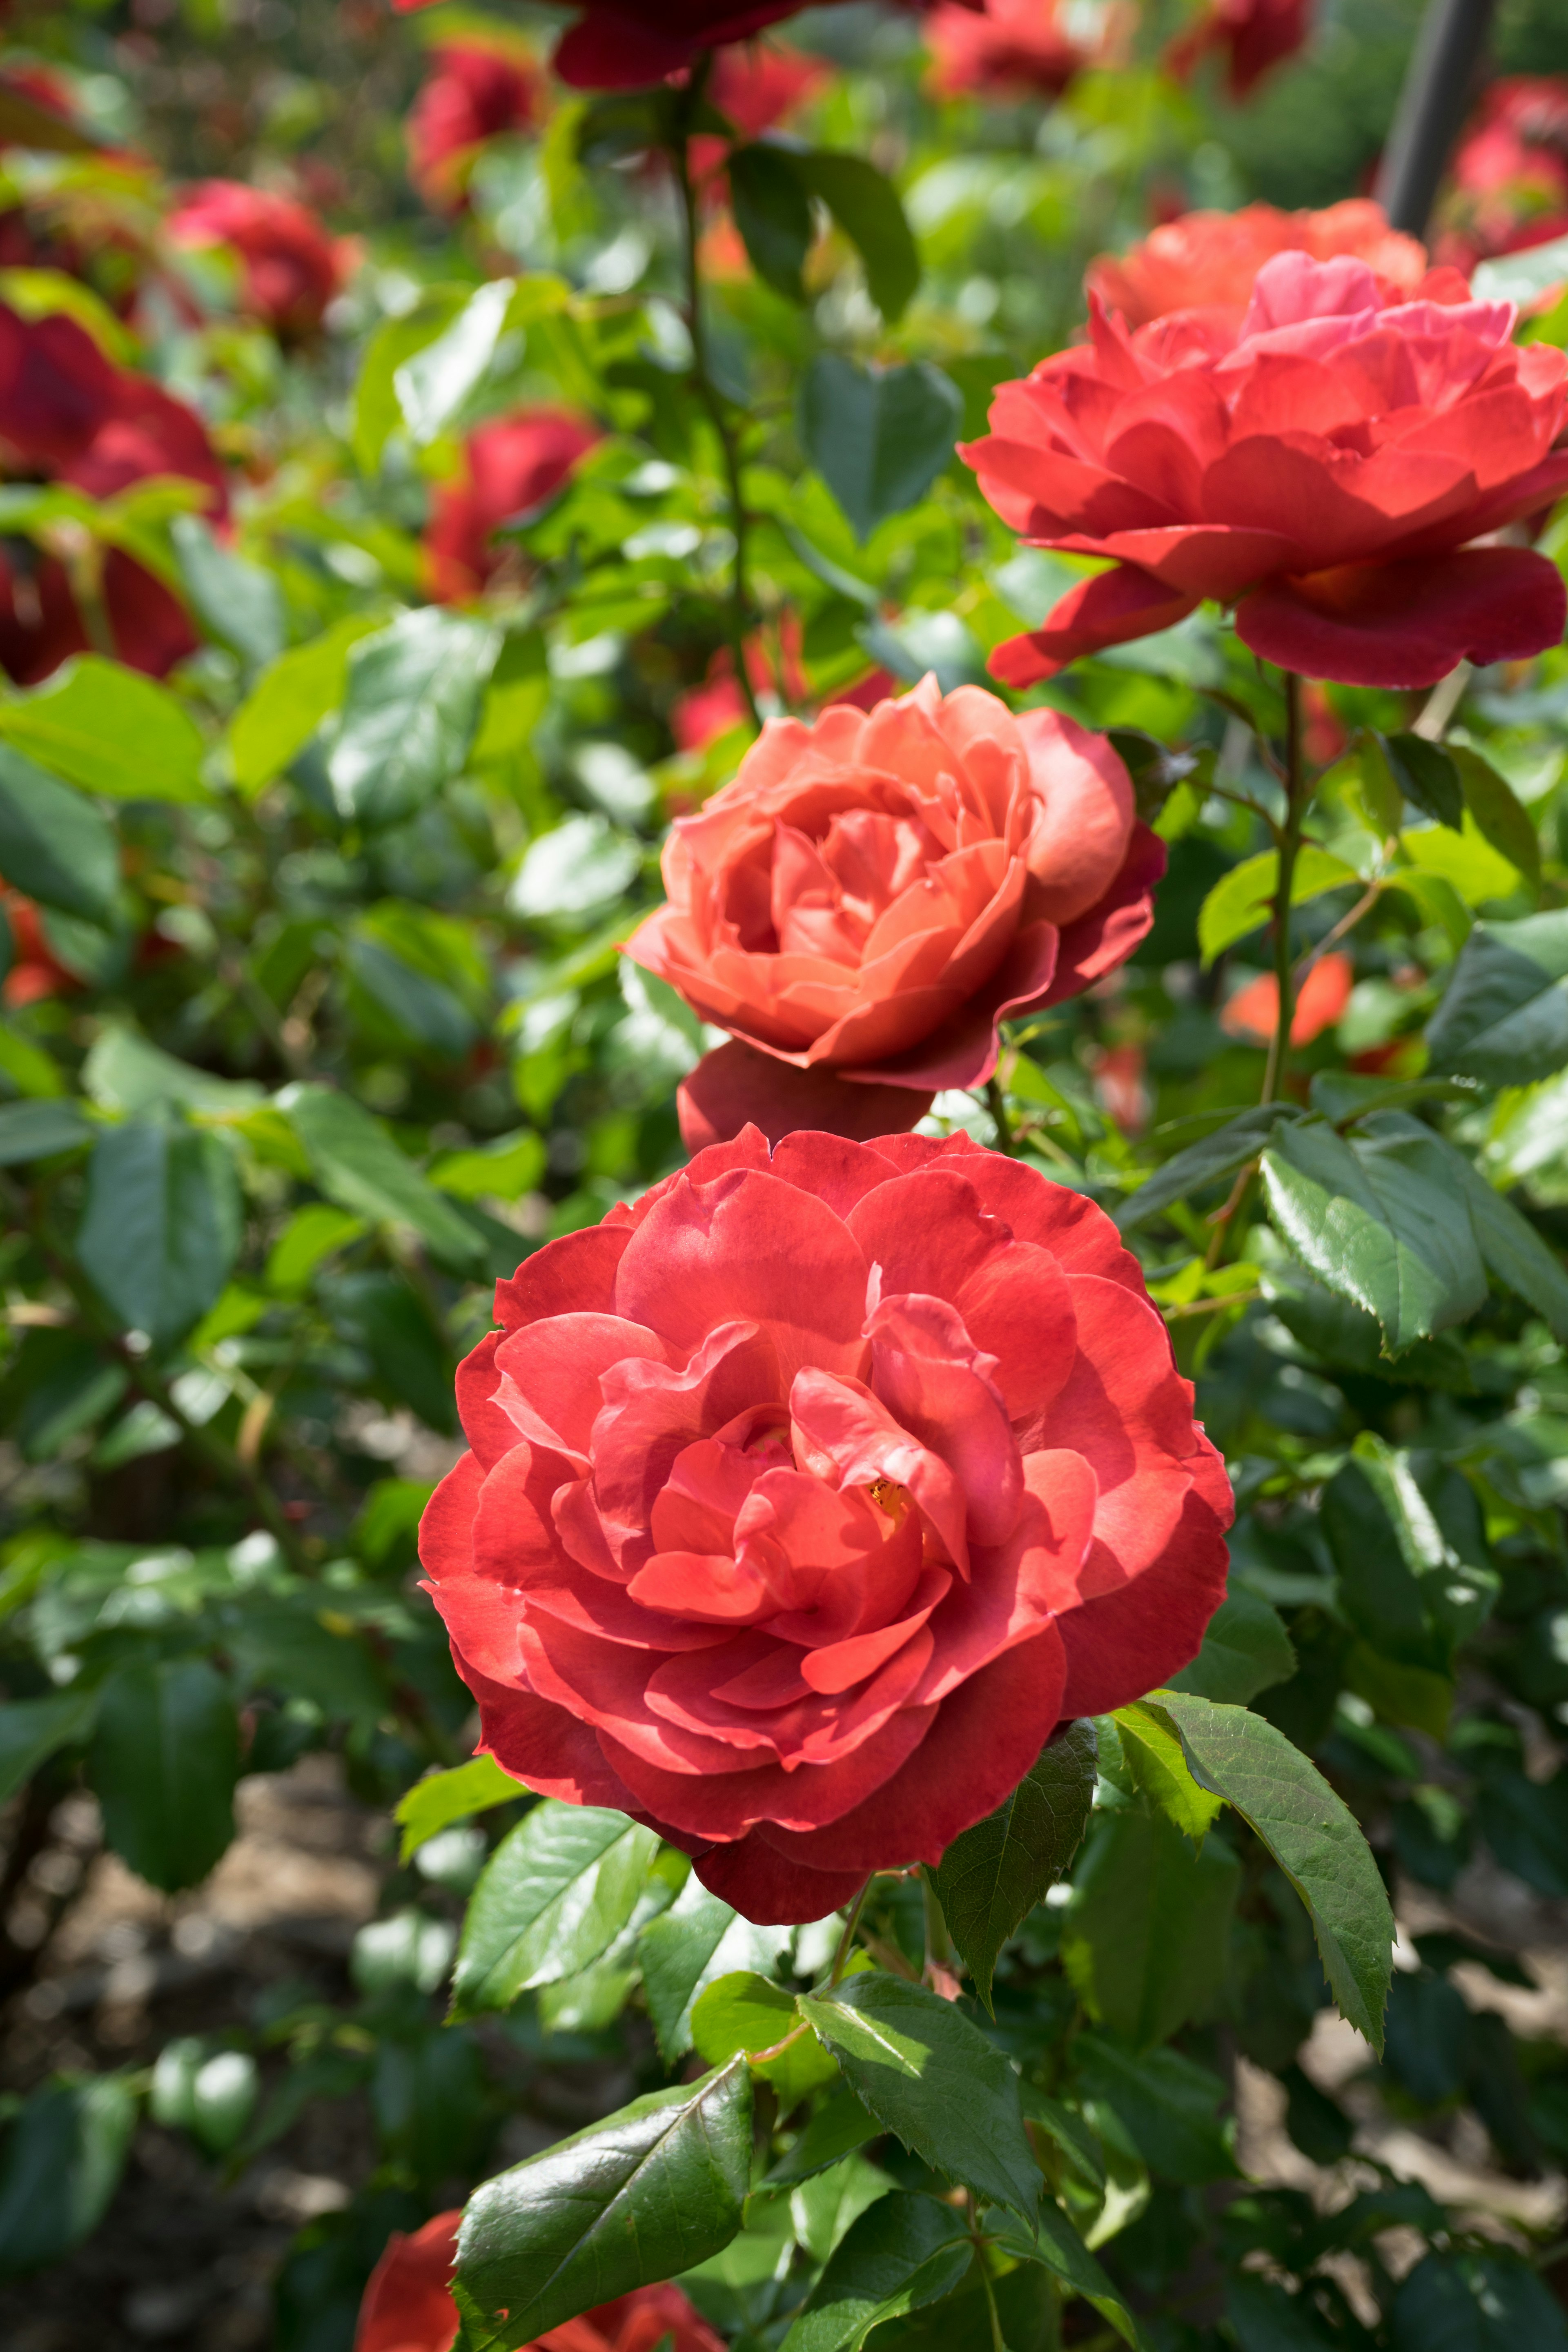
<point x="874" y="891"/>
<point x="808" y="1494"/>
<point x="753" y="87"/>
<point x="1253" y="1013"/>
<point x="1014" y="48"/>
<point x="510" y="465"/>
<point x="478" y="90"/>
<point x="68" y="414"/>
<point x="1326" y="465"/>
<point x="1507" y="184"/>
<point x="1207" y="261"/>
<point x="291" y="266"/>
<point x="1250" y="35"/>
<point x="408" y="2306"/>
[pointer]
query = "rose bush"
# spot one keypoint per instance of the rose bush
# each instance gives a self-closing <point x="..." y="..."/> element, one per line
<point x="1251" y="37"/>
<point x="874" y="891"/>
<point x="1329" y="467"/>
<point x="290" y="267"/>
<point x="808" y="1494"/>
<point x="1507" y="183"/>
<point x="510" y="465"/>
<point x="478" y="90"/>
<point x="408" y="2306"/>
<point x="1209" y="261"/>
<point x="1011" y="47"/>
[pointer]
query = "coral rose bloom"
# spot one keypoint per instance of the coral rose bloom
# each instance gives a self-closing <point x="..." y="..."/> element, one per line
<point x="806" y="1498"/>
<point x="874" y="891"/>
<point x="408" y="2306"/>
<point x="1327" y="466"/>
<point x="1207" y="261"/>
<point x="291" y="266"/>
<point x="510" y="465"/>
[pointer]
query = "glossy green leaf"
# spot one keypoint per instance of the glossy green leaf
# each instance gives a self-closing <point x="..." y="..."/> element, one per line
<point x="1153" y="1754"/>
<point x="409" y="714"/>
<point x="879" y="436"/>
<point x="34" y="1131"/>
<point x="162" y="1765"/>
<point x="555" y="1893"/>
<point x="1244" y="898"/>
<point x="749" y="2012"/>
<point x="991" y="1876"/>
<point x="1374" y="1230"/>
<point x="1312" y="1836"/>
<point x="359" y="1167"/>
<point x="54" y="844"/>
<point x="930" y="2076"/>
<point x="866" y="206"/>
<point x="162" y="1225"/>
<point x="1245" y="1650"/>
<point x="646" y="2193"/>
<point x="1425" y="774"/>
<point x="689" y="1947"/>
<point x="902" y="2253"/>
<point x="111" y="730"/>
<point x="210" y="2092"/>
<point x="434" y="1803"/>
<point x="1502" y="817"/>
<point x="837" y="2125"/>
<point x="290" y="700"/>
<point x="60" y="2162"/>
<point x="239" y="604"/>
<point x="377" y="411"/>
<point x="772" y="212"/>
<point x="1504" y="1014"/>
<point x="1218" y="1154"/>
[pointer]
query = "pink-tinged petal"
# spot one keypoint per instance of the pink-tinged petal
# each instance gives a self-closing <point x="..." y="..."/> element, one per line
<point x="1103" y="939"/>
<point x="720" y="1805"/>
<point x="1129" y="1641"/>
<point x="756" y="1881"/>
<point x="926" y="1231"/>
<point x="1129" y="1413"/>
<point x="982" y="1741"/>
<point x="447" y="1527"/>
<point x="838" y="1169"/>
<point x="1081" y="833"/>
<point x="1107" y="610"/>
<point x="1021" y="1585"/>
<point x="1018" y="1307"/>
<point x="1408" y="625"/>
<point x="963" y="1051"/>
<point x="572" y="1276"/>
<point x="709" y="1586"/>
<point x="548" y="1382"/>
<point x="735" y="1086"/>
<point x="1203" y="559"/>
<point x="652" y="1414"/>
<point x="543" y="1746"/>
<point x="836" y="1561"/>
<point x="485" y="1425"/>
<point x="936" y="1383"/>
<point x="747" y="1147"/>
<point x="749" y="1246"/>
<point x="845" y="1433"/>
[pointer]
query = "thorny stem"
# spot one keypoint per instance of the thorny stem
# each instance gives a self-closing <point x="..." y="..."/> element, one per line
<point x="1296" y="799"/>
<point x="846" y="1941"/>
<point x="708" y="392"/>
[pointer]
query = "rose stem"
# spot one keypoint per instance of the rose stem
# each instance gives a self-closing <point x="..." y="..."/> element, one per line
<point x="1290" y="844"/>
<point x="996" y="1103"/>
<point x="707" y="390"/>
<point x="841" y="1957"/>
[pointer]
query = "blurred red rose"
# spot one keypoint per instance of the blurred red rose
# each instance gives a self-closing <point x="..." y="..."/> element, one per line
<point x="35" y="970"/>
<point x="1326" y="465"/>
<point x="873" y="892"/>
<point x="291" y="266"/>
<point x="1013" y="48"/>
<point x="1253" y="1011"/>
<point x="480" y="90"/>
<point x="1207" y="261"/>
<point x="754" y="85"/>
<point x="1119" y="1075"/>
<point x="1507" y="183"/>
<point x="1250" y="36"/>
<point x="510" y="465"/>
<point x="408" y="2306"/>
<point x="810" y="1494"/>
<point x="68" y="413"/>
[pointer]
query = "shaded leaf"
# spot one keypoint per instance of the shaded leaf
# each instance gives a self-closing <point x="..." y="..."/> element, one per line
<point x="111" y="730"/>
<point x="54" y="844"/>
<point x="59" y="2166"/>
<point x="1168" y="2106"/>
<point x="359" y="1167"/>
<point x="991" y="1876"/>
<point x="1217" y="1154"/>
<point x="690" y="1946"/>
<point x="902" y="2253"/>
<point x="772" y="212"/>
<point x="1504" y="1015"/>
<point x="410" y="712"/>
<point x="879" y="436"/>
<point x="162" y="1765"/>
<point x="162" y="1225"/>
<point x="866" y="206"/>
<point x="34" y="1131"/>
<point x="34" y="1729"/>
<point x="1245" y="1650"/>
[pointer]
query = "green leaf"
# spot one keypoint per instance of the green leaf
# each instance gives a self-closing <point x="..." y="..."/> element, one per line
<point x="1243" y="899"/>
<point x="209" y="2092"/>
<point x="555" y="1894"/>
<point x="162" y="1225"/>
<point x="34" y="1729"/>
<point x="434" y="1803"/>
<point x="772" y="212"/>
<point x="838" y="2126"/>
<point x="879" y="436"/>
<point x="433" y="382"/>
<point x="866" y="206"/>
<point x="1245" y="1650"/>
<point x="1477" y="2302"/>
<point x="59" y="2166"/>
<point x="283" y="1644"/>
<point x="1153" y="1754"/>
<point x="748" y="2012"/>
<point x="54" y="844"/>
<point x="239" y="604"/>
<point x="312" y="1234"/>
<point x="902" y="2253"/>
<point x="34" y="1131"/>
<point x="689" y="1947"/>
<point x="1063" y="2252"/>
<point x="1312" y="1836"/>
<point x="1374" y="1230"/>
<point x="1167" y="2105"/>
<point x="378" y="412"/>
<point x="1511" y="1246"/>
<point x="933" y="2078"/>
<point x="1504" y="1016"/>
<point x="359" y="1167"/>
<point x="575" y="870"/>
<point x="645" y="2194"/>
<point x="111" y="730"/>
<point x="125" y="1072"/>
<point x="1219" y="1154"/>
<point x="412" y="706"/>
<point x="1144" y="1938"/>
<point x="1503" y="819"/>
<point x="1425" y="774"/>
<point x="290" y="701"/>
<point x="162" y="1765"/>
<point x="991" y="1876"/>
